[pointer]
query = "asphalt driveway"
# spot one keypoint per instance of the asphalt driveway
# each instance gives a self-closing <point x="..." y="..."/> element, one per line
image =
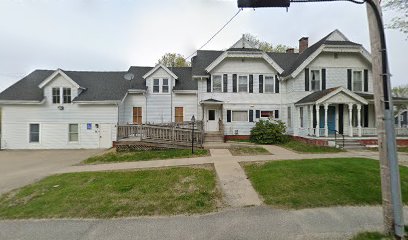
<point x="22" y="167"/>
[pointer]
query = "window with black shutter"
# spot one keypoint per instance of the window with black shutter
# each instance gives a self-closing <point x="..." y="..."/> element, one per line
<point x="251" y="83"/>
<point x="307" y="79"/>
<point x="365" y="80"/>
<point x="225" y="83"/>
<point x="209" y="84"/>
<point x="234" y="82"/>
<point x="276" y="84"/>
<point x="323" y="79"/>
<point x="276" y="113"/>
<point x="260" y="83"/>
<point x="258" y="114"/>
<point x="251" y="115"/>
<point x="365" y="115"/>
<point x="349" y="77"/>
<point x="228" y="115"/>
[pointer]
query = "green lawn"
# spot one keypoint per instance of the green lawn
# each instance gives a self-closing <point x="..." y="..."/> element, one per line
<point x="248" y="151"/>
<point x="400" y="149"/>
<point x="320" y="182"/>
<point x="371" y="236"/>
<point x="145" y="155"/>
<point x="309" y="148"/>
<point x="115" y="194"/>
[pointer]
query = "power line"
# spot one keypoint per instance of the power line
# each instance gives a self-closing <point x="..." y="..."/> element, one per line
<point x="209" y="40"/>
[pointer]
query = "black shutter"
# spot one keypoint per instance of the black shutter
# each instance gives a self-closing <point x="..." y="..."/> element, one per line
<point x="251" y="115"/>
<point x="276" y="113"/>
<point x="257" y="114"/>
<point x="234" y="82"/>
<point x="365" y="80"/>
<point x="251" y="83"/>
<point x="323" y="79"/>
<point x="209" y="84"/>
<point x="228" y="115"/>
<point x="276" y="84"/>
<point x="260" y="83"/>
<point x="225" y="83"/>
<point x="349" y="76"/>
<point x="307" y="79"/>
<point x="365" y="114"/>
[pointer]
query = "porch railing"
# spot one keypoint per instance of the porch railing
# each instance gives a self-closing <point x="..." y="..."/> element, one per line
<point x="173" y="134"/>
<point x="365" y="132"/>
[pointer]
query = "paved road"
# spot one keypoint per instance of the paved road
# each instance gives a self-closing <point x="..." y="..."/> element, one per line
<point x="22" y="167"/>
<point x="242" y="223"/>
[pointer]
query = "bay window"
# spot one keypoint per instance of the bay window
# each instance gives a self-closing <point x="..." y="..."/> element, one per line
<point x="269" y="81"/>
<point x="243" y="84"/>
<point x="357" y="81"/>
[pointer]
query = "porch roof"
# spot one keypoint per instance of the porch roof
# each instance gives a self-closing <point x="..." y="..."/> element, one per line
<point x="211" y="101"/>
<point x="370" y="97"/>
<point x="320" y="97"/>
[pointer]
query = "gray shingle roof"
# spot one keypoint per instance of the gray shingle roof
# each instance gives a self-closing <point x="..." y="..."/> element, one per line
<point x="369" y="96"/>
<point x="284" y="60"/>
<point x="313" y="97"/>
<point x="202" y="60"/>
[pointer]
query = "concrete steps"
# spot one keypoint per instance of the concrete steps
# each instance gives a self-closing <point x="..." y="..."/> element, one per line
<point x="350" y="144"/>
<point x="213" y="137"/>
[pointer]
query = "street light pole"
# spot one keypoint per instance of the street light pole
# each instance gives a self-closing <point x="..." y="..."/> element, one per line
<point x="390" y="179"/>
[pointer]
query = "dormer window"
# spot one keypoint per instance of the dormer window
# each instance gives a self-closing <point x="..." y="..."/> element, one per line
<point x="243" y="84"/>
<point x="156" y="85"/>
<point x="67" y="95"/>
<point x="165" y="85"/>
<point x="56" y="95"/>
<point x="315" y="80"/>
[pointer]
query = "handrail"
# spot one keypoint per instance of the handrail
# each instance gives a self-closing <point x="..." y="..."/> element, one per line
<point x="335" y="135"/>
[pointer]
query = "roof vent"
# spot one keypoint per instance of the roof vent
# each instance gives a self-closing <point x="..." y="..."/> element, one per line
<point x="129" y="76"/>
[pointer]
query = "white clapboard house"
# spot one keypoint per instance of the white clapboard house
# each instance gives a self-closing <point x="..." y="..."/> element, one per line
<point x="322" y="90"/>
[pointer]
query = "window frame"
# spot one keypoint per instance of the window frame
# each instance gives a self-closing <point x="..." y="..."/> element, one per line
<point x="221" y="83"/>
<point x="361" y="79"/>
<point x="58" y="96"/>
<point x="69" y="133"/>
<point x="163" y="85"/>
<point x="64" y="96"/>
<point x="272" y="111"/>
<point x="264" y="83"/>
<point x="301" y="112"/>
<point x="39" y="133"/>
<point x="311" y="79"/>
<point x="154" y="85"/>
<point x="232" y="115"/>
<point x="239" y="84"/>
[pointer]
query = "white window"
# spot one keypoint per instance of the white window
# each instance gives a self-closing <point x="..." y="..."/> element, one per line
<point x="240" y="116"/>
<point x="66" y="92"/>
<point x="56" y="95"/>
<point x="217" y="83"/>
<point x="289" y="117"/>
<point x="34" y="133"/>
<point x="301" y="117"/>
<point x="357" y="81"/>
<point x="165" y="85"/>
<point x="269" y="82"/>
<point x="315" y="80"/>
<point x="156" y="85"/>
<point x="243" y="84"/>
<point x="266" y="114"/>
<point x="73" y="133"/>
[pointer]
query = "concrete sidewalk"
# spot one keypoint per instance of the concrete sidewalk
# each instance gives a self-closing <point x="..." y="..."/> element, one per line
<point x="243" y="223"/>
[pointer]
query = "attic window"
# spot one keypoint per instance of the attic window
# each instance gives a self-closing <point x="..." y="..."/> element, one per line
<point x="56" y="95"/>
<point x="67" y="95"/>
<point x="156" y="85"/>
<point x="165" y="86"/>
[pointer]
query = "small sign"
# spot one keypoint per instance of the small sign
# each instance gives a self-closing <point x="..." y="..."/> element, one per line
<point x="89" y="126"/>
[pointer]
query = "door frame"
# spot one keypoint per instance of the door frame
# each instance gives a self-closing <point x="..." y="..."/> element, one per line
<point x="217" y="116"/>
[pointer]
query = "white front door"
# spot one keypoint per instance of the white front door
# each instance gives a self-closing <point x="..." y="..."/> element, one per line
<point x="105" y="136"/>
<point x="212" y="120"/>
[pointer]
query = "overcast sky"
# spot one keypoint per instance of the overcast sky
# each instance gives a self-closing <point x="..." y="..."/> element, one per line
<point x="107" y="35"/>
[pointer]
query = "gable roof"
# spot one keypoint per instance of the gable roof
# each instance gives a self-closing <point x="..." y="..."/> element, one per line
<point x="323" y="95"/>
<point x="56" y="73"/>
<point x="156" y="68"/>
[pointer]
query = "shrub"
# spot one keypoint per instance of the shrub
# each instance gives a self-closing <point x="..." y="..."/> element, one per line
<point x="266" y="132"/>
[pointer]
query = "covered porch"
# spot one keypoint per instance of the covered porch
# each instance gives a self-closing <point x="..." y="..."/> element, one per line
<point x="212" y="115"/>
<point x="337" y="111"/>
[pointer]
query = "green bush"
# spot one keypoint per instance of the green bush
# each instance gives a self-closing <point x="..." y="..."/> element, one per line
<point x="266" y="132"/>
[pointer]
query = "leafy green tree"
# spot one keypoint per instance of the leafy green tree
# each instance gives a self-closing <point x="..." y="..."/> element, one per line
<point x="399" y="22"/>
<point x="174" y="60"/>
<point x="265" y="46"/>
<point x="269" y="132"/>
<point x="400" y="91"/>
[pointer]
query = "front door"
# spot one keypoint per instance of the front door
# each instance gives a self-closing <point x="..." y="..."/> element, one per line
<point x="137" y="115"/>
<point x="331" y="119"/>
<point x="105" y="136"/>
<point x="212" y="120"/>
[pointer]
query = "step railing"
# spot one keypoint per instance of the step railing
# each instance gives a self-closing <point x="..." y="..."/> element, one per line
<point x="335" y="136"/>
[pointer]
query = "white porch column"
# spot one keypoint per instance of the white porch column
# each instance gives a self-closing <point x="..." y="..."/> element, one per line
<point x="311" y="120"/>
<point x="359" y="119"/>
<point x="326" y="125"/>
<point x="399" y="119"/>
<point x="350" y="107"/>
<point x="317" y="128"/>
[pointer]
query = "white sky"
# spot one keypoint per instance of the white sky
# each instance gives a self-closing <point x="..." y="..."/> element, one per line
<point x="107" y="35"/>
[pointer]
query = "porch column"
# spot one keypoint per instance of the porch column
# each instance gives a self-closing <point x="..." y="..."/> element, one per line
<point x="317" y="128"/>
<point x="359" y="119"/>
<point x="326" y="126"/>
<point x="350" y="107"/>
<point x="399" y="119"/>
<point x="311" y="120"/>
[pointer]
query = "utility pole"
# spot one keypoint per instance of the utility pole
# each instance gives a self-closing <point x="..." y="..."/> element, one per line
<point x="390" y="180"/>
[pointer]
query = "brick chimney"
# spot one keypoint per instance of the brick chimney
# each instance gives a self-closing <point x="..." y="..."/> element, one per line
<point x="290" y="50"/>
<point x="303" y="44"/>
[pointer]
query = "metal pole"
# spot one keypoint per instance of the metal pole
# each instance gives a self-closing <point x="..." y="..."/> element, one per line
<point x="192" y="140"/>
<point x="390" y="179"/>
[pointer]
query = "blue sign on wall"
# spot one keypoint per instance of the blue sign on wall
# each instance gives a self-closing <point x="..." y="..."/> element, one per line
<point x="89" y="126"/>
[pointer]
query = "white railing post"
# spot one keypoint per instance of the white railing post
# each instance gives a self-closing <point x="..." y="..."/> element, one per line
<point x="326" y="125"/>
<point x="317" y="120"/>
<point x="359" y="119"/>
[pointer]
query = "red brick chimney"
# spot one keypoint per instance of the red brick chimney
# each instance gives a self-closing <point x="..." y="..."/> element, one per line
<point x="303" y="44"/>
<point x="290" y="50"/>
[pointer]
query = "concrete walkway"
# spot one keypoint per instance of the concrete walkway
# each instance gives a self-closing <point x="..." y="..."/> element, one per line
<point x="258" y="223"/>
